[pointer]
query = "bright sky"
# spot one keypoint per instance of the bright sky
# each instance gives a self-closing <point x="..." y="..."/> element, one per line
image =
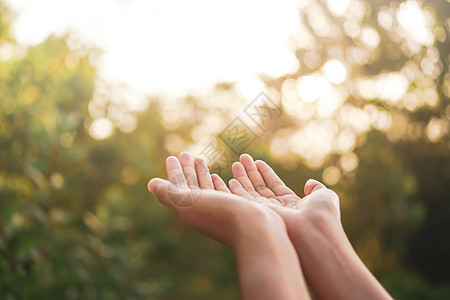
<point x="174" y="47"/>
<point x="171" y="46"/>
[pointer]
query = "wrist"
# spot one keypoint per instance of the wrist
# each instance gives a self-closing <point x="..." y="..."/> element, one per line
<point x="324" y="222"/>
<point x="326" y="254"/>
<point x="268" y="262"/>
<point x="257" y="227"/>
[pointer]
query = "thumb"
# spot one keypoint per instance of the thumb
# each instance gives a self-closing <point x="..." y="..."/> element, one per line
<point x="161" y="188"/>
<point x="313" y="185"/>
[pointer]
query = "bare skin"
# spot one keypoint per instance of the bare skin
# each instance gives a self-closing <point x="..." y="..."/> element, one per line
<point x="268" y="265"/>
<point x="331" y="266"/>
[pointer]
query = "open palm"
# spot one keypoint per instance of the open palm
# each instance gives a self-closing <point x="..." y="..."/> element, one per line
<point x="201" y="204"/>
<point x="258" y="182"/>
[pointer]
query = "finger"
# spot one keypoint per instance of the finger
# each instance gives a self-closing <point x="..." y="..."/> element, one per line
<point x="240" y="175"/>
<point x="255" y="177"/>
<point x="203" y="176"/>
<point x="188" y="170"/>
<point x="171" y="195"/>
<point x="313" y="185"/>
<point x="237" y="189"/>
<point x="175" y="172"/>
<point x="219" y="184"/>
<point x="272" y="180"/>
<point x="160" y="188"/>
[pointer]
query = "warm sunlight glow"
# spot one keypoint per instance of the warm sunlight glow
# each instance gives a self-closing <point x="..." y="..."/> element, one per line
<point x="311" y="87"/>
<point x="415" y="23"/>
<point x="389" y="86"/>
<point x="314" y="141"/>
<point x="170" y="47"/>
<point x="370" y="37"/>
<point x="328" y="103"/>
<point x="101" y="129"/>
<point x="436" y="129"/>
<point x="338" y="7"/>
<point x="331" y="175"/>
<point x="335" y="71"/>
<point x="349" y="162"/>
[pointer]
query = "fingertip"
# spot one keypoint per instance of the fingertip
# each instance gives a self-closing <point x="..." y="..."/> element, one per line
<point x="313" y="185"/>
<point x="237" y="169"/>
<point x="245" y="156"/>
<point x="171" y="158"/>
<point x="312" y="182"/>
<point x="185" y="158"/>
<point x="262" y="166"/>
<point x="248" y="161"/>
<point x="233" y="182"/>
<point x="185" y="154"/>
<point x="261" y="163"/>
<point x="198" y="160"/>
<point x="151" y="185"/>
<point x="309" y="181"/>
<point x="235" y="165"/>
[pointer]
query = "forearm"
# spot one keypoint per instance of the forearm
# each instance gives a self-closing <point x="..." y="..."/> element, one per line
<point x="269" y="268"/>
<point x="330" y="264"/>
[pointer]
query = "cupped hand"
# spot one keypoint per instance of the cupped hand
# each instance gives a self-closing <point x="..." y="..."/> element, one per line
<point x="314" y="228"/>
<point x="257" y="181"/>
<point x="205" y="204"/>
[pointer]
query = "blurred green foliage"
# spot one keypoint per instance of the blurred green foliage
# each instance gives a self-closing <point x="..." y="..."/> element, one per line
<point x="76" y="221"/>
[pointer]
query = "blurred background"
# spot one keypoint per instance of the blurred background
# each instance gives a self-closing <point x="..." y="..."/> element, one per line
<point x="95" y="94"/>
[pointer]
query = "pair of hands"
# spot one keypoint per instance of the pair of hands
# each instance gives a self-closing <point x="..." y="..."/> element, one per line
<point x="257" y="200"/>
<point x="280" y="239"/>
